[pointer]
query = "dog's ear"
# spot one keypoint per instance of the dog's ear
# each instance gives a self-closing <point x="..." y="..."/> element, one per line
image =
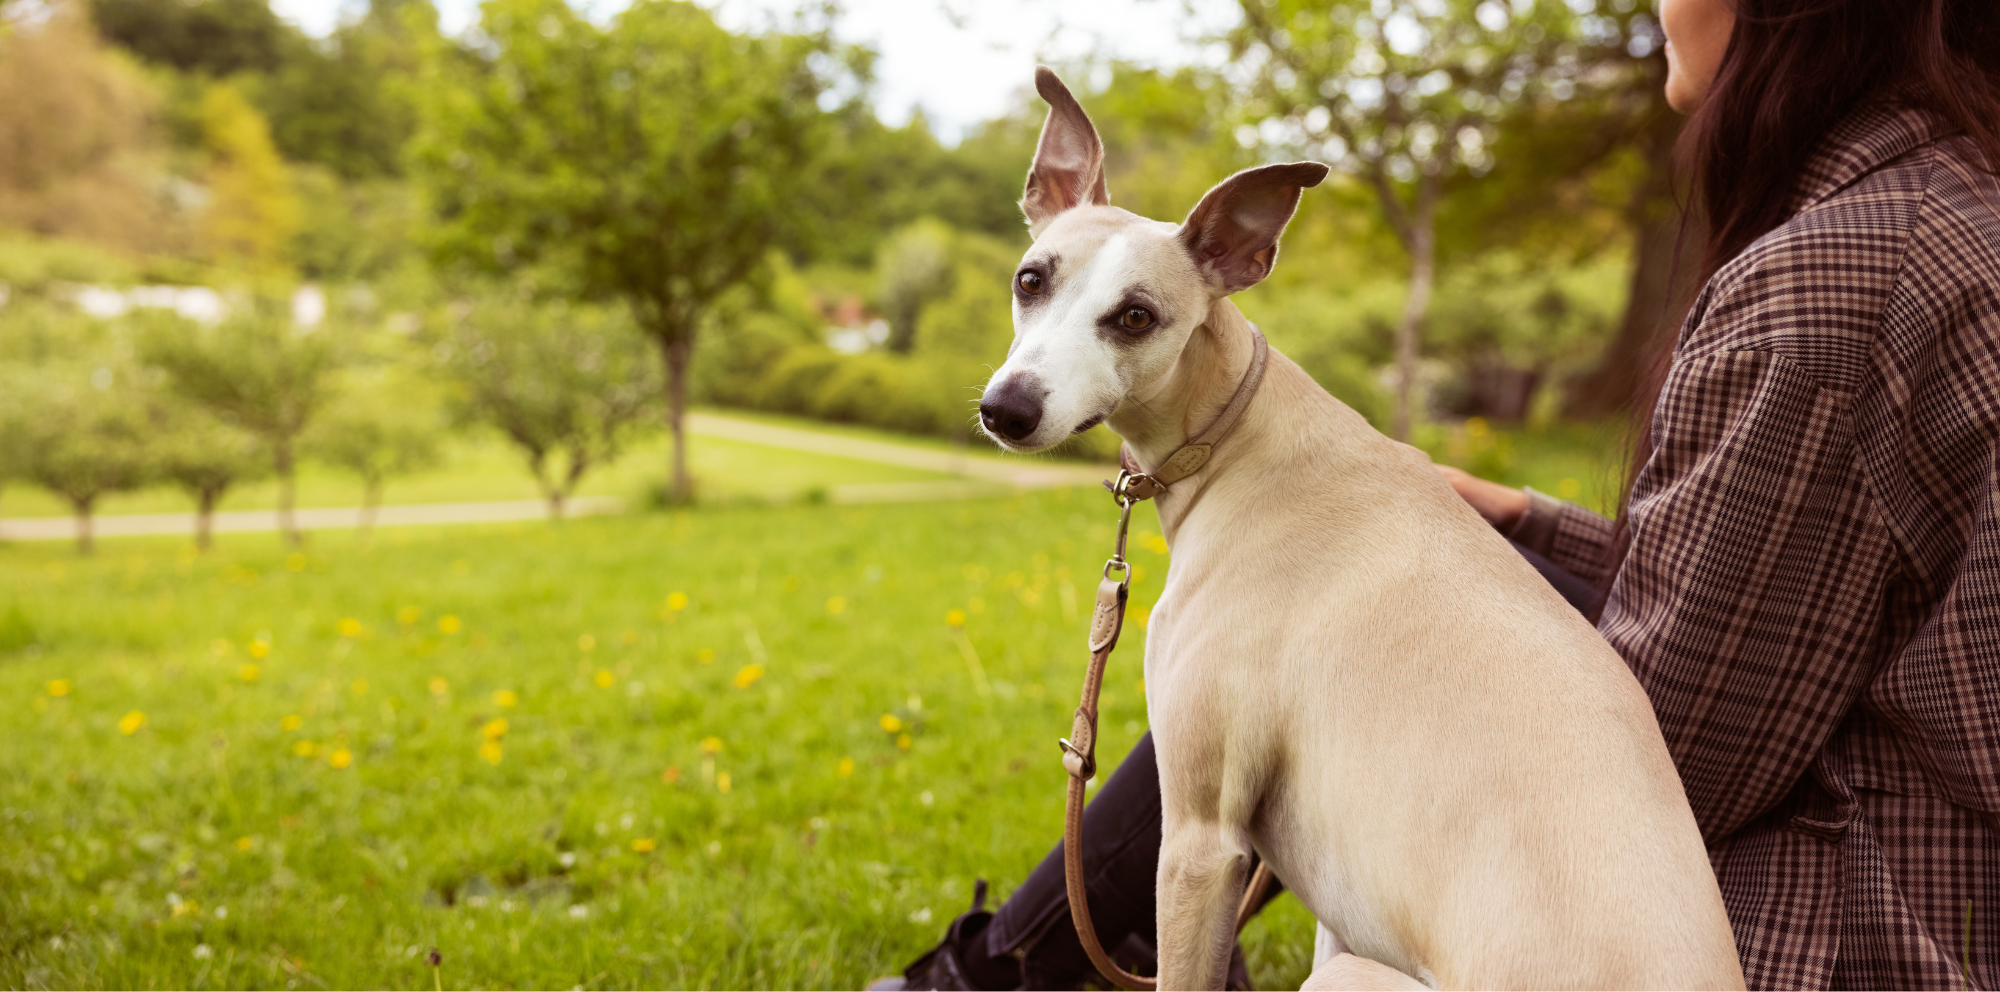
<point x="1069" y="161"/>
<point x="1232" y="233"/>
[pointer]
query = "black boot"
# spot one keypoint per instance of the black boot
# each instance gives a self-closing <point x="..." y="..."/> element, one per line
<point x="960" y="961"/>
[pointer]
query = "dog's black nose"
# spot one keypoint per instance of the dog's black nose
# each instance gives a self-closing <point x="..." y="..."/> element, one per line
<point x="1012" y="411"/>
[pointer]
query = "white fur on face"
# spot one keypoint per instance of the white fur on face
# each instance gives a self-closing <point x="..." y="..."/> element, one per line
<point x="1060" y="342"/>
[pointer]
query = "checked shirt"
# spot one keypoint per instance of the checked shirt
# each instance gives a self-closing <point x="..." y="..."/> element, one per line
<point x="1812" y="594"/>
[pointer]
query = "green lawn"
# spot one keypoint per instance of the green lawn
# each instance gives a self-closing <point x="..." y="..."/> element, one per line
<point x="259" y="768"/>
<point x="221" y="842"/>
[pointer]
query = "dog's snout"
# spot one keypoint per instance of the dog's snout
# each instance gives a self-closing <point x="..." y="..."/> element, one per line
<point x="1013" y="410"/>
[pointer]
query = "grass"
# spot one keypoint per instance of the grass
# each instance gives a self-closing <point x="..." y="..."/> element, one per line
<point x="222" y="843"/>
<point x="286" y="769"/>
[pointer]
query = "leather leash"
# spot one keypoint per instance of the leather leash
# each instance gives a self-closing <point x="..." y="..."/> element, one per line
<point x="1080" y="747"/>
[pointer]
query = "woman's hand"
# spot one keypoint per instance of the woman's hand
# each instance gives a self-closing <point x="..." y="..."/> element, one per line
<point x="1502" y="506"/>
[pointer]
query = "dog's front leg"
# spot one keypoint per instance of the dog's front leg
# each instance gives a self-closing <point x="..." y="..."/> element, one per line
<point x="1203" y="869"/>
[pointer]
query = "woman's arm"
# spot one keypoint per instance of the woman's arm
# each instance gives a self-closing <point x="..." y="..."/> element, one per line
<point x="1750" y="603"/>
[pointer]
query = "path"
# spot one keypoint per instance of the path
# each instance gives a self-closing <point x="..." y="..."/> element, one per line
<point x="980" y="475"/>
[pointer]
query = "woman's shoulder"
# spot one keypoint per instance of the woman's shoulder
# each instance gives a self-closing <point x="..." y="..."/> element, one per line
<point x="1910" y="245"/>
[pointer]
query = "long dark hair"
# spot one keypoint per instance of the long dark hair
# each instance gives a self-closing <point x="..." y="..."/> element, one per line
<point x="1792" y="70"/>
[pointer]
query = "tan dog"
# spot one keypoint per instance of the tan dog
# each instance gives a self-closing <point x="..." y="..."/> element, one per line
<point x="1349" y="672"/>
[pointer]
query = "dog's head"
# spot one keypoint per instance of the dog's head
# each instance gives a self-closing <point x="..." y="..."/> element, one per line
<point x="1105" y="300"/>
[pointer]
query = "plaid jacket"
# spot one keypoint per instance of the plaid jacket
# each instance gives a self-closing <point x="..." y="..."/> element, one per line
<point x="1812" y="595"/>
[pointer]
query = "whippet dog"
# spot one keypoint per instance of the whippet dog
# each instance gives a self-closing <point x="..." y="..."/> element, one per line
<point x="1348" y="672"/>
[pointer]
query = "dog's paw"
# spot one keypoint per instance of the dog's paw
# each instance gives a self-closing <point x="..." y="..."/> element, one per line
<point x="1344" y="972"/>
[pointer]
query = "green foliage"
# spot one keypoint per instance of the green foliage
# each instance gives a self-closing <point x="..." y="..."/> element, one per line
<point x="565" y="384"/>
<point x="914" y="267"/>
<point x="348" y="103"/>
<point x="255" y="369"/>
<point x="211" y="37"/>
<point x="90" y="433"/>
<point x="550" y="143"/>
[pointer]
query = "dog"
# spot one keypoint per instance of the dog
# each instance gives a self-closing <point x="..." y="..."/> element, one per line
<point x="1349" y="672"/>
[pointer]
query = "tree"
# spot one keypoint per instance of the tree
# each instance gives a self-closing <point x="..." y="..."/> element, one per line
<point x="91" y="436"/>
<point x="376" y="433"/>
<point x="657" y="160"/>
<point x="79" y="154"/>
<point x="913" y="268"/>
<point x="251" y="213"/>
<point x="205" y="457"/>
<point x="564" y="384"/>
<point x="256" y="371"/>
<point x="349" y="102"/>
<point x="212" y="37"/>
<point x="1404" y="94"/>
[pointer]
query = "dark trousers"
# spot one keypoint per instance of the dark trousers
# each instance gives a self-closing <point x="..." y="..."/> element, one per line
<point x="1121" y="857"/>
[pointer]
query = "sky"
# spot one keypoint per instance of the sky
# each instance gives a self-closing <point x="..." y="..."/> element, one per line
<point x="962" y="61"/>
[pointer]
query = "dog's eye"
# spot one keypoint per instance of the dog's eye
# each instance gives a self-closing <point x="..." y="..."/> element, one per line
<point x="1137" y="319"/>
<point x="1030" y="283"/>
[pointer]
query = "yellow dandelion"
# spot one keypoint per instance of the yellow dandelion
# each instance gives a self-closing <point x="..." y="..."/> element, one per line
<point x="490" y="751"/>
<point x="644" y="845"/>
<point x="291" y="721"/>
<point x="711" y="745"/>
<point x="305" y="749"/>
<point x="845" y="768"/>
<point x="448" y="624"/>
<point x="747" y="675"/>
<point x="705" y="656"/>
<point x="248" y="672"/>
<point x="671" y="775"/>
<point x="956" y="618"/>
<point x="1569" y="489"/>
<point x="359" y="687"/>
<point x="836" y="604"/>
<point x="340" y="758"/>
<point x="505" y="698"/>
<point x="1158" y="545"/>
<point x="677" y="601"/>
<point x="890" y="723"/>
<point x="603" y="679"/>
<point x="1475" y="426"/>
<point x="295" y="561"/>
<point x="244" y="843"/>
<point x="130" y="723"/>
<point x="59" y="687"/>
<point x="722" y="781"/>
<point x="185" y="907"/>
<point x="494" y="729"/>
<point x="408" y="615"/>
<point x="350" y="627"/>
<point x="439" y="686"/>
<point x="259" y="648"/>
<point x="903" y="741"/>
<point x="585" y="642"/>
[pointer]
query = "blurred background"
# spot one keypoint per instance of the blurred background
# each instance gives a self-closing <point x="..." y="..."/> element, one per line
<point x="319" y="321"/>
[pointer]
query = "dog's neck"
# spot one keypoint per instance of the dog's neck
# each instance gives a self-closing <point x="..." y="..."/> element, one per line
<point x="1180" y="404"/>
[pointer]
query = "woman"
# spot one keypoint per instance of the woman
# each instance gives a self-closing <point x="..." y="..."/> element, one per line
<point x="1806" y="575"/>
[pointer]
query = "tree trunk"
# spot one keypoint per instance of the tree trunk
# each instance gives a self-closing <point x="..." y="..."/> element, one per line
<point x="555" y="497"/>
<point x="1659" y="287"/>
<point x="86" y="540"/>
<point x="204" y="519"/>
<point x="287" y="491"/>
<point x="1422" y="245"/>
<point x="371" y="502"/>
<point x="677" y="350"/>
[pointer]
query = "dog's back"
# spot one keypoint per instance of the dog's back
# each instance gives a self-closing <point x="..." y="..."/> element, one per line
<point x="1432" y="748"/>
